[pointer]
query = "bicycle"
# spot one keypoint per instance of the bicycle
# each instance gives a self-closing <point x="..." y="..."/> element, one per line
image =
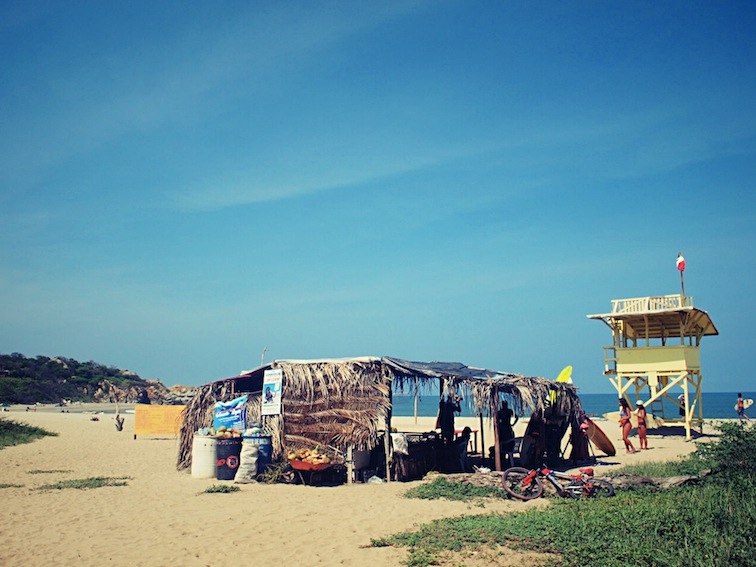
<point x="525" y="484"/>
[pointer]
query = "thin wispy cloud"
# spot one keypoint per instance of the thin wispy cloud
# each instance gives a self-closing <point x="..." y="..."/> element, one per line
<point x="116" y="95"/>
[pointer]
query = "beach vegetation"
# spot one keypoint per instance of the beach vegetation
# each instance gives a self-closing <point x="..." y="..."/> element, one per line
<point x="440" y="487"/>
<point x="8" y="485"/>
<point x="15" y="433"/>
<point x="706" y="523"/>
<point x="221" y="489"/>
<point x="733" y="456"/>
<point x="690" y="465"/>
<point x="274" y="473"/>
<point x="49" y="471"/>
<point x="87" y="483"/>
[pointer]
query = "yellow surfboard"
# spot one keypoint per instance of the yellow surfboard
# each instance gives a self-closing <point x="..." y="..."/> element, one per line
<point x="565" y="375"/>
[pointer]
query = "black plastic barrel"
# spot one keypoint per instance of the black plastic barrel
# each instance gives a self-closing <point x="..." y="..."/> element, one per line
<point x="227" y="453"/>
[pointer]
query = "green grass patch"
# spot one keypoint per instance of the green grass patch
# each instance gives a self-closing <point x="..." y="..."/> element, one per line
<point x="49" y="471"/>
<point x="691" y="465"/>
<point x="87" y="483"/>
<point x="221" y="488"/>
<point x="700" y="526"/>
<point x="6" y="485"/>
<point x="440" y="487"/>
<point x="14" y="433"/>
<point x="706" y="524"/>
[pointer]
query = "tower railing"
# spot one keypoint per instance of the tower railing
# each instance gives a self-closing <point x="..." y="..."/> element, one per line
<point x="651" y="304"/>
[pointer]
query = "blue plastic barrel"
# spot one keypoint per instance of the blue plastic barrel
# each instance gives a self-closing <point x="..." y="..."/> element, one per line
<point x="264" y="448"/>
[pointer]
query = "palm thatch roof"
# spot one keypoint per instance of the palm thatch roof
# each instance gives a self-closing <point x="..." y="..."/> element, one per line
<point x="346" y="402"/>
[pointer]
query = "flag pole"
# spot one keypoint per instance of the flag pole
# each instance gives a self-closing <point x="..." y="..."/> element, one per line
<point x="681" y="268"/>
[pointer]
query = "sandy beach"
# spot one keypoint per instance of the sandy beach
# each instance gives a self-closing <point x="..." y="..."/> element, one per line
<point x="162" y="517"/>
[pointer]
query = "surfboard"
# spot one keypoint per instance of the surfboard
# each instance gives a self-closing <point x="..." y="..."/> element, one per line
<point x="651" y="421"/>
<point x="599" y="438"/>
<point x="746" y="404"/>
<point x="565" y="375"/>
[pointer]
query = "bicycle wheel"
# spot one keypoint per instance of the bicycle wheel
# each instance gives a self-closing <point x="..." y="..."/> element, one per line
<point x="597" y="488"/>
<point x="514" y="482"/>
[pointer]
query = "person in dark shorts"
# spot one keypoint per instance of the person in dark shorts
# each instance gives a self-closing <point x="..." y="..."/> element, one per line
<point x="740" y="408"/>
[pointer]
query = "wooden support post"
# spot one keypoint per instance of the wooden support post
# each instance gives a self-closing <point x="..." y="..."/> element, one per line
<point x="416" y="399"/>
<point x="688" y="410"/>
<point x="350" y="464"/>
<point x="387" y="436"/>
<point x="387" y="449"/>
<point x="482" y="441"/>
<point x="497" y="445"/>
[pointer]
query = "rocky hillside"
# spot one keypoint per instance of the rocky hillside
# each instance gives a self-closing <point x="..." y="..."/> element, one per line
<point x="58" y="380"/>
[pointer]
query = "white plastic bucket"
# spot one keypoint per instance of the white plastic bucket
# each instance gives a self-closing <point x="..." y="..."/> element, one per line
<point x="203" y="456"/>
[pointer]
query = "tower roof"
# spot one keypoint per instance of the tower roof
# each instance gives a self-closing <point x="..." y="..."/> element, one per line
<point x="658" y="317"/>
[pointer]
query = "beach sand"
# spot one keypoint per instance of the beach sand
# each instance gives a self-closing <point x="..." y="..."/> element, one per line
<point x="163" y="518"/>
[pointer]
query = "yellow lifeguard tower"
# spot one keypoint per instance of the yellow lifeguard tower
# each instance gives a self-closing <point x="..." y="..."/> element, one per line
<point x="655" y="345"/>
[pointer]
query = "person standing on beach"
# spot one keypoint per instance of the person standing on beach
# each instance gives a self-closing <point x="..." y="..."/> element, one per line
<point x="641" y="413"/>
<point x="625" y="424"/>
<point x="446" y="411"/>
<point x="505" y="426"/>
<point x="740" y="407"/>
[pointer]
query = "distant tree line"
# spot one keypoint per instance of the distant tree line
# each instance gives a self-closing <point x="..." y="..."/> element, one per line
<point x="46" y="379"/>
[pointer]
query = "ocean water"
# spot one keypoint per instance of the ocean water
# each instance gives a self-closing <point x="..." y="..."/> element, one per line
<point x="716" y="405"/>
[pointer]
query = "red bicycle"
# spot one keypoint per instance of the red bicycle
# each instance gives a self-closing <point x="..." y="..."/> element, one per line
<point x="525" y="484"/>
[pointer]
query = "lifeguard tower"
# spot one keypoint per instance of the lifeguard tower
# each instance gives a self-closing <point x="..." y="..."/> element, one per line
<point x="656" y="350"/>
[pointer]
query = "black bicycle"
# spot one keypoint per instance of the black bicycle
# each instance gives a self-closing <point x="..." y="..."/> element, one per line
<point x="525" y="484"/>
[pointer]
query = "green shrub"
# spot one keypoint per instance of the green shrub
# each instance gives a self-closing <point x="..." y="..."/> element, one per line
<point x="734" y="454"/>
<point x="273" y="473"/>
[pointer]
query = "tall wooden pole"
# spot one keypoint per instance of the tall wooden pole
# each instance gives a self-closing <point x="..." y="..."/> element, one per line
<point x="497" y="433"/>
<point x="416" y="396"/>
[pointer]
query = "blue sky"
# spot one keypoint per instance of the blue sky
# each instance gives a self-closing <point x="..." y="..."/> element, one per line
<point x="183" y="184"/>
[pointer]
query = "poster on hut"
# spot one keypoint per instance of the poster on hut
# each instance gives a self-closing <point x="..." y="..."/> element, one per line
<point x="271" y="398"/>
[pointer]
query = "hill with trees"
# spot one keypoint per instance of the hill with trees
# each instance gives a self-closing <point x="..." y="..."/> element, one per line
<point x="58" y="379"/>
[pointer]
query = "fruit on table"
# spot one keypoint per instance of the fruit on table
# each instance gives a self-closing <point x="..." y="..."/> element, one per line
<point x="313" y="456"/>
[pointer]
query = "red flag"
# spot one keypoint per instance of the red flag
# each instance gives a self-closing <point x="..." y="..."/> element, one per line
<point x="680" y="262"/>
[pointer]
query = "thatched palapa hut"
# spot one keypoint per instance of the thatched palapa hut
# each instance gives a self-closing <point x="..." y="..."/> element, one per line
<point x="345" y="404"/>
